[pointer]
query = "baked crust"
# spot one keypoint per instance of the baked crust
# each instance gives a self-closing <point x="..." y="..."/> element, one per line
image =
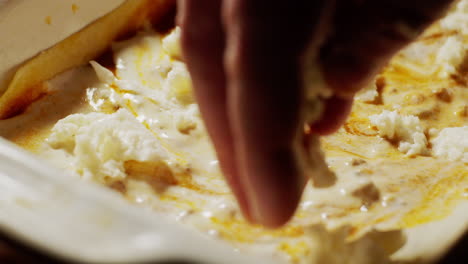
<point x="78" y="49"/>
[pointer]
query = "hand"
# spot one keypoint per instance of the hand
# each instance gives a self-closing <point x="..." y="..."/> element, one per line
<point x="245" y="58"/>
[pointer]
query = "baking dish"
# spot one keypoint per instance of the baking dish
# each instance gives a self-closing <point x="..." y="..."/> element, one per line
<point x="76" y="221"/>
<point x="457" y="223"/>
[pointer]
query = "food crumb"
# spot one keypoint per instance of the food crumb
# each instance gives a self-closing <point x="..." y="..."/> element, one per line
<point x="48" y="20"/>
<point x="444" y="95"/>
<point x="357" y="162"/>
<point x="368" y="193"/>
<point x="75" y="8"/>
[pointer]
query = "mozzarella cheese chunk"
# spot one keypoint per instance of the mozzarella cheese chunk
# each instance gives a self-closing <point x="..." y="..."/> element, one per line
<point x="406" y="130"/>
<point x="457" y="19"/>
<point x="179" y="84"/>
<point x="450" y="56"/>
<point x="368" y="94"/>
<point x="143" y="113"/>
<point x="452" y="144"/>
<point x="171" y="43"/>
<point x="102" y="143"/>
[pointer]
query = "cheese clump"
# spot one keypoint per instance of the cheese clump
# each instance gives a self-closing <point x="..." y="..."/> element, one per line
<point x="457" y="19"/>
<point x="451" y="143"/>
<point x="171" y="43"/>
<point x="368" y="93"/>
<point x="101" y="143"/>
<point x="406" y="130"/>
<point x="450" y="56"/>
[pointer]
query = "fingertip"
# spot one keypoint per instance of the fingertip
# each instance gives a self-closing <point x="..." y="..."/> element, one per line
<point x="278" y="221"/>
<point x="274" y="189"/>
<point x="274" y="215"/>
<point x="232" y="177"/>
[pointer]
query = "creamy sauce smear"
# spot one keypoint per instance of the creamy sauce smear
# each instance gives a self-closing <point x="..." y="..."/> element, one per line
<point x="165" y="161"/>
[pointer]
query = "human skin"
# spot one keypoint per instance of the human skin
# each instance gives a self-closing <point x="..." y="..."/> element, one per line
<point x="246" y="59"/>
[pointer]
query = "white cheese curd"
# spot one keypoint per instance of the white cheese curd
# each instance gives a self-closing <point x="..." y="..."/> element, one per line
<point x="178" y="85"/>
<point x="103" y="74"/>
<point x="457" y="19"/>
<point x="452" y="144"/>
<point x="161" y="95"/>
<point x="101" y="143"/>
<point x="104" y="99"/>
<point x="368" y="94"/>
<point x="450" y="56"/>
<point x="171" y="44"/>
<point x="154" y="94"/>
<point x="407" y="131"/>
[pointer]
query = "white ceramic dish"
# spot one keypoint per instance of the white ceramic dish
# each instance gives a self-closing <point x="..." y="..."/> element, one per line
<point x="43" y="23"/>
<point x="80" y="221"/>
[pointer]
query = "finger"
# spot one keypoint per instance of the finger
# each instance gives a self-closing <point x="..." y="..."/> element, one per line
<point x="265" y="41"/>
<point x="333" y="117"/>
<point x="203" y="48"/>
<point x="368" y="33"/>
